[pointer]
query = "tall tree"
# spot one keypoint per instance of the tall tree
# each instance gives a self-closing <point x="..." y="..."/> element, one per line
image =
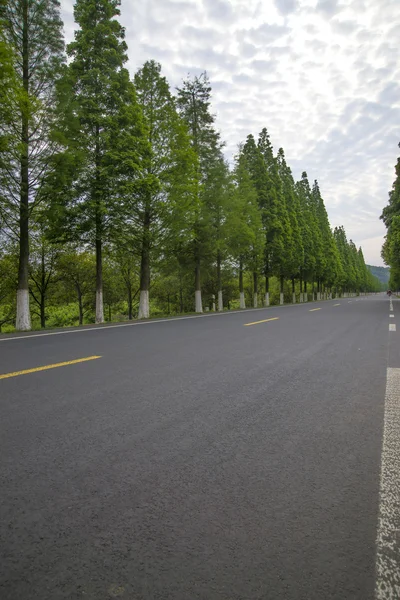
<point x="217" y="194"/>
<point x="244" y="224"/>
<point x="280" y="252"/>
<point x="159" y="210"/>
<point x="33" y="30"/>
<point x="391" y="218"/>
<point x="261" y="182"/>
<point x="328" y="267"/>
<point x="104" y="134"/>
<point x="312" y="241"/>
<point x="194" y="99"/>
<point x="296" y="256"/>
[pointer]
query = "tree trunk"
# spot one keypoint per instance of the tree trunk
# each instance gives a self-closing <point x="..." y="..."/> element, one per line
<point x="281" y="294"/>
<point x="293" y="291"/>
<point x="130" y="311"/>
<point x="144" y="308"/>
<point x="266" y="290"/>
<point x="241" y="290"/>
<point x="180" y="300"/>
<point x="78" y="289"/>
<point x="255" y="296"/>
<point x="109" y="313"/>
<point x="42" y="291"/>
<point x="301" y="289"/>
<point x="23" y="318"/>
<point x="42" y="310"/>
<point x="99" y="282"/>
<point x="219" y="283"/>
<point x="99" y="232"/>
<point x="305" y="297"/>
<point x="197" y="282"/>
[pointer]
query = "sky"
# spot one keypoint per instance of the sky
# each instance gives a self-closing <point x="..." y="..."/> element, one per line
<point x="323" y="76"/>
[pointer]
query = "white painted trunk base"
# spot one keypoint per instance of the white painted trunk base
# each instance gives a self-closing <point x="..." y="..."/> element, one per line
<point x="99" y="307"/>
<point x="255" y="300"/>
<point x="318" y="296"/>
<point x="23" y="320"/>
<point x="294" y="298"/>
<point x="387" y="583"/>
<point x="144" y="306"/>
<point x="213" y="307"/>
<point x="266" y="298"/>
<point x="281" y="298"/>
<point x="198" y="303"/>
<point x="220" y="301"/>
<point x="301" y="299"/>
<point x="305" y="297"/>
<point x="242" y="300"/>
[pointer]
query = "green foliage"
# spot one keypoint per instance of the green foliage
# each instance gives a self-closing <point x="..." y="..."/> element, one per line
<point x="128" y="191"/>
<point x="381" y="273"/>
<point x="391" y="218"/>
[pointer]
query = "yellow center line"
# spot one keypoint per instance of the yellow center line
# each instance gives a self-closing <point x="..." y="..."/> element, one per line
<point x="337" y="304"/>
<point x="264" y="321"/>
<point x="313" y="309"/>
<point x="46" y="367"/>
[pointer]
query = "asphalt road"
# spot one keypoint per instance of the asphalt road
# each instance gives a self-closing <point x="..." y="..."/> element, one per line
<point x="197" y="458"/>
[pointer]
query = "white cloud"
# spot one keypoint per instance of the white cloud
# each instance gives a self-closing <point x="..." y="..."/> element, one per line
<point x="321" y="75"/>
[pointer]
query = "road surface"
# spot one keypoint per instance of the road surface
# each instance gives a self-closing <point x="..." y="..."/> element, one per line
<point x="226" y="457"/>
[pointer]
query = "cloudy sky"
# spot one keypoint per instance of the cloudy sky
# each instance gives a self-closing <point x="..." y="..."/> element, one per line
<point x="322" y="75"/>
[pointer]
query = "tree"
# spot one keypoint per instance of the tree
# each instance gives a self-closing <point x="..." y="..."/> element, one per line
<point x="217" y="187"/>
<point x="244" y="224"/>
<point x="106" y="150"/>
<point x="391" y="218"/>
<point x="296" y="259"/>
<point x="8" y="281"/>
<point x="42" y="271"/>
<point x="33" y="31"/>
<point x="329" y="265"/>
<point x="77" y="269"/>
<point x="158" y="213"/>
<point x="194" y="99"/>
<point x="261" y="183"/>
<point x="312" y="241"/>
<point x="280" y="251"/>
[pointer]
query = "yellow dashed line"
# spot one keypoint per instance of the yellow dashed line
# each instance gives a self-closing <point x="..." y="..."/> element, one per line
<point x="314" y="309"/>
<point x="264" y="321"/>
<point x="46" y="367"/>
<point x="337" y="304"/>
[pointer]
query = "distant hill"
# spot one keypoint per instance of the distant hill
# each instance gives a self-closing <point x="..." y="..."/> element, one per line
<point x="381" y="273"/>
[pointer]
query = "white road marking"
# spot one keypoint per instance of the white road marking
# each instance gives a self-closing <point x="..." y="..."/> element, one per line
<point x="387" y="586"/>
<point x="392" y="327"/>
<point x="391" y="316"/>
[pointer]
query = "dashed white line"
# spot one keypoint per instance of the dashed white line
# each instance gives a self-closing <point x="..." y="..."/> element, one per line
<point x="387" y="586"/>
<point x="391" y="316"/>
<point x="392" y="327"/>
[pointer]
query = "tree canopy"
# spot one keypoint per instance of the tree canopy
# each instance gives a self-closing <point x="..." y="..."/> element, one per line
<point x="116" y="199"/>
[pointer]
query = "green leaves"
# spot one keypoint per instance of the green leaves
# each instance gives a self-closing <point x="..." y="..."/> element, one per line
<point x="391" y="218"/>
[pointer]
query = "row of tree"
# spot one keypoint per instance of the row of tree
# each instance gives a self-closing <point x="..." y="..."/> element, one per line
<point x="118" y="187"/>
<point x="391" y="218"/>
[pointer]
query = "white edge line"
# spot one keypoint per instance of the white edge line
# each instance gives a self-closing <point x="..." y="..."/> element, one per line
<point x="387" y="585"/>
<point x="392" y="327"/>
<point x="153" y="322"/>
